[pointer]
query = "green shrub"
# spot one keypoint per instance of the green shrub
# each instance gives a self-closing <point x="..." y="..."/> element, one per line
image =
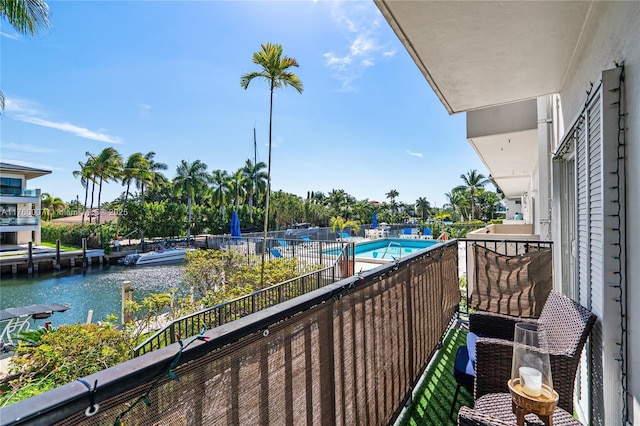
<point x="70" y="352"/>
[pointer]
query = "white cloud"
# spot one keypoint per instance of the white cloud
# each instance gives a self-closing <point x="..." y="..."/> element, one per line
<point x="30" y="164"/>
<point x="28" y="112"/>
<point x="275" y="142"/>
<point x="144" y="106"/>
<point x="361" y="21"/>
<point x="26" y="148"/>
<point x="414" y="154"/>
<point x="14" y="36"/>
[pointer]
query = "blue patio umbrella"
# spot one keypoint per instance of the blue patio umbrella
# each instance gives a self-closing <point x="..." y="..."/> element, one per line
<point x="374" y="221"/>
<point x="235" y="225"/>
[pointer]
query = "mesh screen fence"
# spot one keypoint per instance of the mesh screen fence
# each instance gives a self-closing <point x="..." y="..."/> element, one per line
<point x="352" y="359"/>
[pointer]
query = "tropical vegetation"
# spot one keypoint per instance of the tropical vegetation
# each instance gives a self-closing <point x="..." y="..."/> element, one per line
<point x="276" y="70"/>
<point x="48" y="358"/>
<point x="197" y="201"/>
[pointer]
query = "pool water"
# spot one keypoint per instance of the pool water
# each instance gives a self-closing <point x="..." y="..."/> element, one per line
<point x="389" y="248"/>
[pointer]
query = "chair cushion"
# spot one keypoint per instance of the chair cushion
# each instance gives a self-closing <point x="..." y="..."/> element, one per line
<point x="463" y="370"/>
<point x="471" y="346"/>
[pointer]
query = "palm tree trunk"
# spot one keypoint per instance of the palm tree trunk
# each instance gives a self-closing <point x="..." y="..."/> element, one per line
<point x="84" y="206"/>
<point x="266" y="204"/>
<point x="126" y="194"/>
<point x="188" y="219"/>
<point x="143" y="217"/>
<point x="93" y="190"/>
<point x="99" y="195"/>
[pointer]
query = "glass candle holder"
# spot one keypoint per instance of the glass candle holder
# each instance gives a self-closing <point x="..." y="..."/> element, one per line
<point x="530" y="367"/>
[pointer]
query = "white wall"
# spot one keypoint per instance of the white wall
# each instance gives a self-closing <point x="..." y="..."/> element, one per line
<point x="612" y="34"/>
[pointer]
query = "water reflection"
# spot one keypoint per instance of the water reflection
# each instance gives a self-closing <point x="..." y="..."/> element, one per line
<point x="98" y="288"/>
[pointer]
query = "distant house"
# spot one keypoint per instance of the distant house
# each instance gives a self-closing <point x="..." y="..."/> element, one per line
<point x="20" y="208"/>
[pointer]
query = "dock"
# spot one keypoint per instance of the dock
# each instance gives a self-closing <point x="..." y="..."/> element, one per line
<point x="47" y="261"/>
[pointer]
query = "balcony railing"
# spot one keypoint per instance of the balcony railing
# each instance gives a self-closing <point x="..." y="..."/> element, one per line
<point x="20" y="193"/>
<point x="347" y="353"/>
<point x="19" y="221"/>
<point x="223" y="313"/>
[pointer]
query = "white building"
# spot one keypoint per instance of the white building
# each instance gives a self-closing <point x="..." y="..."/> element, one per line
<point x="19" y="207"/>
<point x="552" y="95"/>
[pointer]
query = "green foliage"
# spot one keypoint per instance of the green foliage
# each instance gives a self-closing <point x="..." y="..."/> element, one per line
<point x="285" y="209"/>
<point x="72" y="234"/>
<point x="443" y="216"/>
<point x="14" y="391"/>
<point x="209" y="269"/>
<point x="68" y="353"/>
<point x="339" y="223"/>
<point x="218" y="276"/>
<point x="142" y="316"/>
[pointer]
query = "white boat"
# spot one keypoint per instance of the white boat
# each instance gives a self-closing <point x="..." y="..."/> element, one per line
<point x="155" y="257"/>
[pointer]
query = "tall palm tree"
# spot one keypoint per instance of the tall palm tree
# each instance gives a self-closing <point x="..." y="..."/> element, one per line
<point x="133" y="169"/>
<point x="154" y="175"/>
<point x="90" y="168"/>
<point x="108" y="166"/>
<point x="456" y="201"/>
<point x="423" y="207"/>
<point x="472" y="182"/>
<point x="392" y="195"/>
<point x="148" y="175"/>
<point x="190" y="178"/>
<point x="337" y="201"/>
<point x="219" y="189"/>
<point x="256" y="181"/>
<point x="276" y="71"/>
<point x="238" y="182"/>
<point x="26" y="17"/>
<point x="85" y="176"/>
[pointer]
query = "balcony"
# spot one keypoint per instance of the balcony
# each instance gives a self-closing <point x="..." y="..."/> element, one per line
<point x="18" y="193"/>
<point x="20" y="221"/>
<point x="351" y="352"/>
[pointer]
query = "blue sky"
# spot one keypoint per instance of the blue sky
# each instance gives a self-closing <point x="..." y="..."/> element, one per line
<point x="165" y="77"/>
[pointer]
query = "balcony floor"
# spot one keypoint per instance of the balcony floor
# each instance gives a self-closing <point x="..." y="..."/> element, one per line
<point x="432" y="401"/>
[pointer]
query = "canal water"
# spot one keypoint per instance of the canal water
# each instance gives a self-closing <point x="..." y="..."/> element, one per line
<point x="97" y="288"/>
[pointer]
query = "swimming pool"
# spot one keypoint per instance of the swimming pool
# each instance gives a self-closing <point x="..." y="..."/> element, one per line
<point x="390" y="248"/>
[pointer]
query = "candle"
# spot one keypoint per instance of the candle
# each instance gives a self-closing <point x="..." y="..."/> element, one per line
<point x="531" y="381"/>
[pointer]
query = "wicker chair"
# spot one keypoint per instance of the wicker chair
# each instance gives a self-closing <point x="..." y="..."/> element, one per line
<point x="567" y="324"/>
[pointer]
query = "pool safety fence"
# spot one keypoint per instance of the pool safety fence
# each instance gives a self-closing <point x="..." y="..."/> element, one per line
<point x="348" y="353"/>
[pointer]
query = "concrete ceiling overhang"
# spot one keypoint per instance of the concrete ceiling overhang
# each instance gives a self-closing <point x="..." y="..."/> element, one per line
<point x="476" y="54"/>
<point x="511" y="158"/>
<point x="27" y="172"/>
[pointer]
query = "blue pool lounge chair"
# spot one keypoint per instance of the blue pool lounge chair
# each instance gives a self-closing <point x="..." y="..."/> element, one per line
<point x="306" y="239"/>
<point x="283" y="244"/>
<point x="276" y="253"/>
<point x="344" y="236"/>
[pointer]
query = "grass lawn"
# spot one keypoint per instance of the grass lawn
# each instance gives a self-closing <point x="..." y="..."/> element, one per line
<point x="63" y="247"/>
<point x="432" y="401"/>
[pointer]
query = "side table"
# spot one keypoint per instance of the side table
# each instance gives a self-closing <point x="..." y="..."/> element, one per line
<point x="497" y="409"/>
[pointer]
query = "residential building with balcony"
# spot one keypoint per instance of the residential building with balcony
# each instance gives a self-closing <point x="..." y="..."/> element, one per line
<point x="551" y="92"/>
<point x="20" y="208"/>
